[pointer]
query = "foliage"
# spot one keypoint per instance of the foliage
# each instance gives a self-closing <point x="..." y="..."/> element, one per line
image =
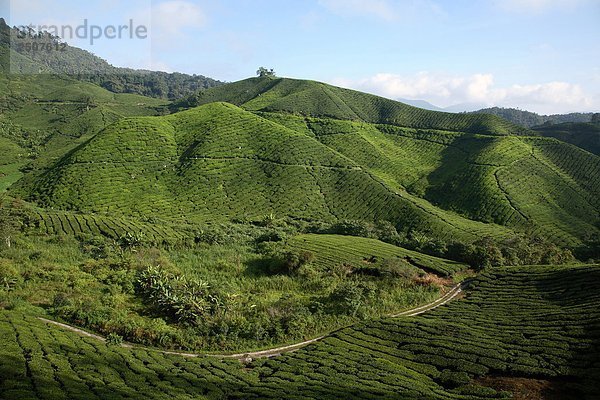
<point x="528" y="322"/>
<point x="219" y="162"/>
<point x="351" y="296"/>
<point x="183" y="299"/>
<point x="529" y="119"/>
<point x="583" y="135"/>
<point x="10" y="219"/>
<point x="114" y="340"/>
<point x="263" y="72"/>
<point x="88" y="67"/>
<point x="293" y="261"/>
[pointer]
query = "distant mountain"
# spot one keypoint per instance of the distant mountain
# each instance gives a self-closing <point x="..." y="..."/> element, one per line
<point x="85" y="66"/>
<point x="530" y="119"/>
<point x="464" y="107"/>
<point x="421" y="104"/>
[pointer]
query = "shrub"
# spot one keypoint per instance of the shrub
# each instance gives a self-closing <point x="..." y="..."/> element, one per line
<point x="185" y="300"/>
<point x="397" y="268"/>
<point x="210" y="236"/>
<point x="9" y="275"/>
<point x="114" y="340"/>
<point x="273" y="235"/>
<point x="294" y="260"/>
<point x="354" y="228"/>
<point x="452" y="379"/>
<point x="131" y="240"/>
<point x="350" y="297"/>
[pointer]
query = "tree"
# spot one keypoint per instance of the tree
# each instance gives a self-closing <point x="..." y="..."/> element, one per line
<point x="596" y="118"/>
<point x="264" y="72"/>
<point x="10" y="220"/>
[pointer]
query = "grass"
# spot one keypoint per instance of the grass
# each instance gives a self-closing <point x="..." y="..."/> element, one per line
<point x="94" y="282"/>
<point x="9" y="174"/>
<point x="529" y="322"/>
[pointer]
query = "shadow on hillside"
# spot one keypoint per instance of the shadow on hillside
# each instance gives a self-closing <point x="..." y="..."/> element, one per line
<point x="453" y="185"/>
<point x="261" y="267"/>
<point x="578" y="290"/>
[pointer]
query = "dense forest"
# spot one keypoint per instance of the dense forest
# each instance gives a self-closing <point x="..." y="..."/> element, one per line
<point x="530" y="119"/>
<point x="51" y="55"/>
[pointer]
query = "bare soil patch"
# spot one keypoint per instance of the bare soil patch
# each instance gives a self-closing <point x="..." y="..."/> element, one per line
<point x="533" y="389"/>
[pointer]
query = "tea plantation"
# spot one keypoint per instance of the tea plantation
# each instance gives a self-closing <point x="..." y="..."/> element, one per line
<point x="528" y="322"/>
<point x="270" y="211"/>
<point x="222" y="162"/>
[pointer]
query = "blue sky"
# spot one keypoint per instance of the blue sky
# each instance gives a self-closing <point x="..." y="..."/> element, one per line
<point x="541" y="55"/>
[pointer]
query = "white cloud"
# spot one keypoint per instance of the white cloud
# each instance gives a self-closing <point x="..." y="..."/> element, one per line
<point x="172" y="19"/>
<point x="386" y="10"/>
<point x="446" y="90"/>
<point x="539" y="6"/>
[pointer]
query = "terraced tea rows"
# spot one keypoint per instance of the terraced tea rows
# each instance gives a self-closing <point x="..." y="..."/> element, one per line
<point x="485" y="178"/>
<point x="533" y="322"/>
<point x="316" y="99"/>
<point x="38" y="362"/>
<point x="529" y="322"/>
<point x="334" y="250"/>
<point x="218" y="162"/>
<point x="309" y="151"/>
<point x="65" y="223"/>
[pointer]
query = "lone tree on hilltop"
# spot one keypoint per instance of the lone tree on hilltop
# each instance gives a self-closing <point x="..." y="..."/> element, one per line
<point x="264" y="72"/>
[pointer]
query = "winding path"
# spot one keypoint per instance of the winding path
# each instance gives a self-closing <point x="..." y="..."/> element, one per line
<point x="248" y="356"/>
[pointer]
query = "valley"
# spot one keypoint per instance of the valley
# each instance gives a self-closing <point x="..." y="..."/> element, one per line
<point x="171" y="236"/>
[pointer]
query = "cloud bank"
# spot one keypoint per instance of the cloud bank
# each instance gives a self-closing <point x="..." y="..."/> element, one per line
<point x="448" y="90"/>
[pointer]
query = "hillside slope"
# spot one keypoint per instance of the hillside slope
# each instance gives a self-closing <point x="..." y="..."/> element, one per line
<point x="583" y="135"/>
<point x="220" y="161"/>
<point x="85" y="66"/>
<point x="317" y="99"/>
<point x="44" y="116"/>
<point x="530" y="119"/>
<point x="534" y="326"/>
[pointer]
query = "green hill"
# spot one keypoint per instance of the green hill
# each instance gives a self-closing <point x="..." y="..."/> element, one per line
<point x="221" y="161"/>
<point x="44" y="116"/>
<point x="332" y="250"/>
<point x="85" y="66"/>
<point x="583" y="135"/>
<point x="309" y="98"/>
<point x="530" y="119"/>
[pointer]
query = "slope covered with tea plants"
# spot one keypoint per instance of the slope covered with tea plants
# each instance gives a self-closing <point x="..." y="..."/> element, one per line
<point x="448" y="175"/>
<point x="310" y="98"/>
<point x="583" y="135"/>
<point x="219" y="161"/>
<point x="45" y="116"/>
<point x="532" y="324"/>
